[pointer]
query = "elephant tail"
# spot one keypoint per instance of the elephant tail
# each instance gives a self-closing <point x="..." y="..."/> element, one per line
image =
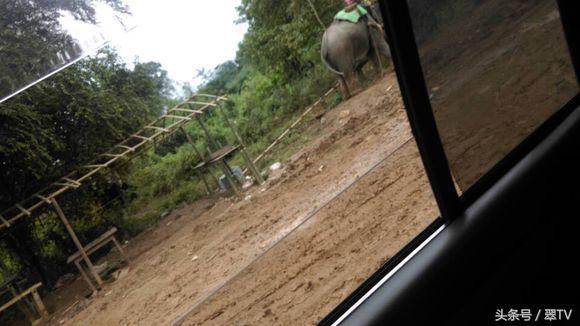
<point x="323" y="55"/>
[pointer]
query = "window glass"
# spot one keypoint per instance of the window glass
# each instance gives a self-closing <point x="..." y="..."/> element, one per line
<point x="39" y="37"/>
<point x="495" y="70"/>
<point x="335" y="188"/>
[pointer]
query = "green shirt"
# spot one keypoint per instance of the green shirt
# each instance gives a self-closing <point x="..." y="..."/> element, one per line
<point x="352" y="16"/>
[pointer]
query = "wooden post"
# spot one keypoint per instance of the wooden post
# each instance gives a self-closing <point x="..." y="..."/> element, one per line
<point x="120" y="249"/>
<point x="252" y="166"/>
<point x="211" y="142"/>
<point x="236" y="181"/>
<point x="200" y="156"/>
<point x="245" y="154"/>
<point x="205" y="183"/>
<point x="230" y="176"/>
<point x="18" y="298"/>
<point x="39" y="304"/>
<point x="76" y="241"/>
<point x="4" y="221"/>
<point x="23" y="305"/>
<point x="85" y="276"/>
<point x="213" y="175"/>
<point x="190" y="141"/>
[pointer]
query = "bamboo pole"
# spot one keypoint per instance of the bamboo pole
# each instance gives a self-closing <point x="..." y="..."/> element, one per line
<point x="77" y="242"/>
<point x="245" y="154"/>
<point x="19" y="296"/>
<point x="39" y="305"/>
<point x="200" y="103"/>
<point x="69" y="184"/>
<point x="75" y="182"/>
<point x="294" y="124"/>
<point x="23" y="210"/>
<point x="230" y="176"/>
<point x="192" y="144"/>
<point x="4" y="221"/>
<point x="141" y="137"/>
<point x="157" y="128"/>
<point x="179" y="117"/>
<point x="186" y="111"/>
<point x="204" y="95"/>
<point x="111" y="155"/>
<point x="211" y="140"/>
<point x="44" y="199"/>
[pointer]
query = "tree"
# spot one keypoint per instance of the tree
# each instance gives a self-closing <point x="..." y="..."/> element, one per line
<point x="62" y="122"/>
<point x="32" y="41"/>
<point x="284" y="36"/>
<point x="59" y="124"/>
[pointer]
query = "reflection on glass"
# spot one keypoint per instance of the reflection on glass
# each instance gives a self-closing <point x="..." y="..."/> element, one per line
<point x="39" y="37"/>
<point x="495" y="71"/>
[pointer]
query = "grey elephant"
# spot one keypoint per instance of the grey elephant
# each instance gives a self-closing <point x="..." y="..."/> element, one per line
<point x="347" y="47"/>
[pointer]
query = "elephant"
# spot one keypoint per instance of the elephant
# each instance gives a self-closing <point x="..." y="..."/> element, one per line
<point x="347" y="47"/>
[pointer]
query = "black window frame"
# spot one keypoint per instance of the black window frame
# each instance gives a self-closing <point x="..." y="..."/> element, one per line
<point x="415" y="95"/>
<point x="406" y="59"/>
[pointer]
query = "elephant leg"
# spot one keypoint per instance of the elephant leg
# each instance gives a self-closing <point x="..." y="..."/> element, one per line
<point x="343" y="86"/>
<point x="384" y="49"/>
<point x="380" y="42"/>
<point x="376" y="61"/>
<point x="352" y="81"/>
<point x="380" y="45"/>
<point x="360" y="77"/>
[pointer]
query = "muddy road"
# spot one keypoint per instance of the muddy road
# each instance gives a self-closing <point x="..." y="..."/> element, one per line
<point x="297" y="246"/>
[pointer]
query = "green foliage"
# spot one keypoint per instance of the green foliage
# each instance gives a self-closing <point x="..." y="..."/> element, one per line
<point x="266" y="91"/>
<point x="226" y="78"/>
<point x="277" y="70"/>
<point x="159" y="184"/>
<point x="157" y="176"/>
<point x="8" y="264"/>
<point x="284" y="36"/>
<point x="47" y="229"/>
<point x="62" y="122"/>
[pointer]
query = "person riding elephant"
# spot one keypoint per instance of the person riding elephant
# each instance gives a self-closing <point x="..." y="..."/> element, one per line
<point x="355" y="37"/>
<point x="363" y="9"/>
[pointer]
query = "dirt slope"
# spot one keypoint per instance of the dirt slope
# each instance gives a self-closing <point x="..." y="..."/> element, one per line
<point x="302" y="242"/>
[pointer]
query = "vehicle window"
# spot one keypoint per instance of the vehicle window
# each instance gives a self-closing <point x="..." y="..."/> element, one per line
<point x="495" y="70"/>
<point x="220" y="163"/>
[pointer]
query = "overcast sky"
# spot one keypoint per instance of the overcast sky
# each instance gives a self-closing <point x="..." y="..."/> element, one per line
<point x="184" y="36"/>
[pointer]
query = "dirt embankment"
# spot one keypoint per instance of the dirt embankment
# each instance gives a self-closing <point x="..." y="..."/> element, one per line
<point x="341" y="207"/>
